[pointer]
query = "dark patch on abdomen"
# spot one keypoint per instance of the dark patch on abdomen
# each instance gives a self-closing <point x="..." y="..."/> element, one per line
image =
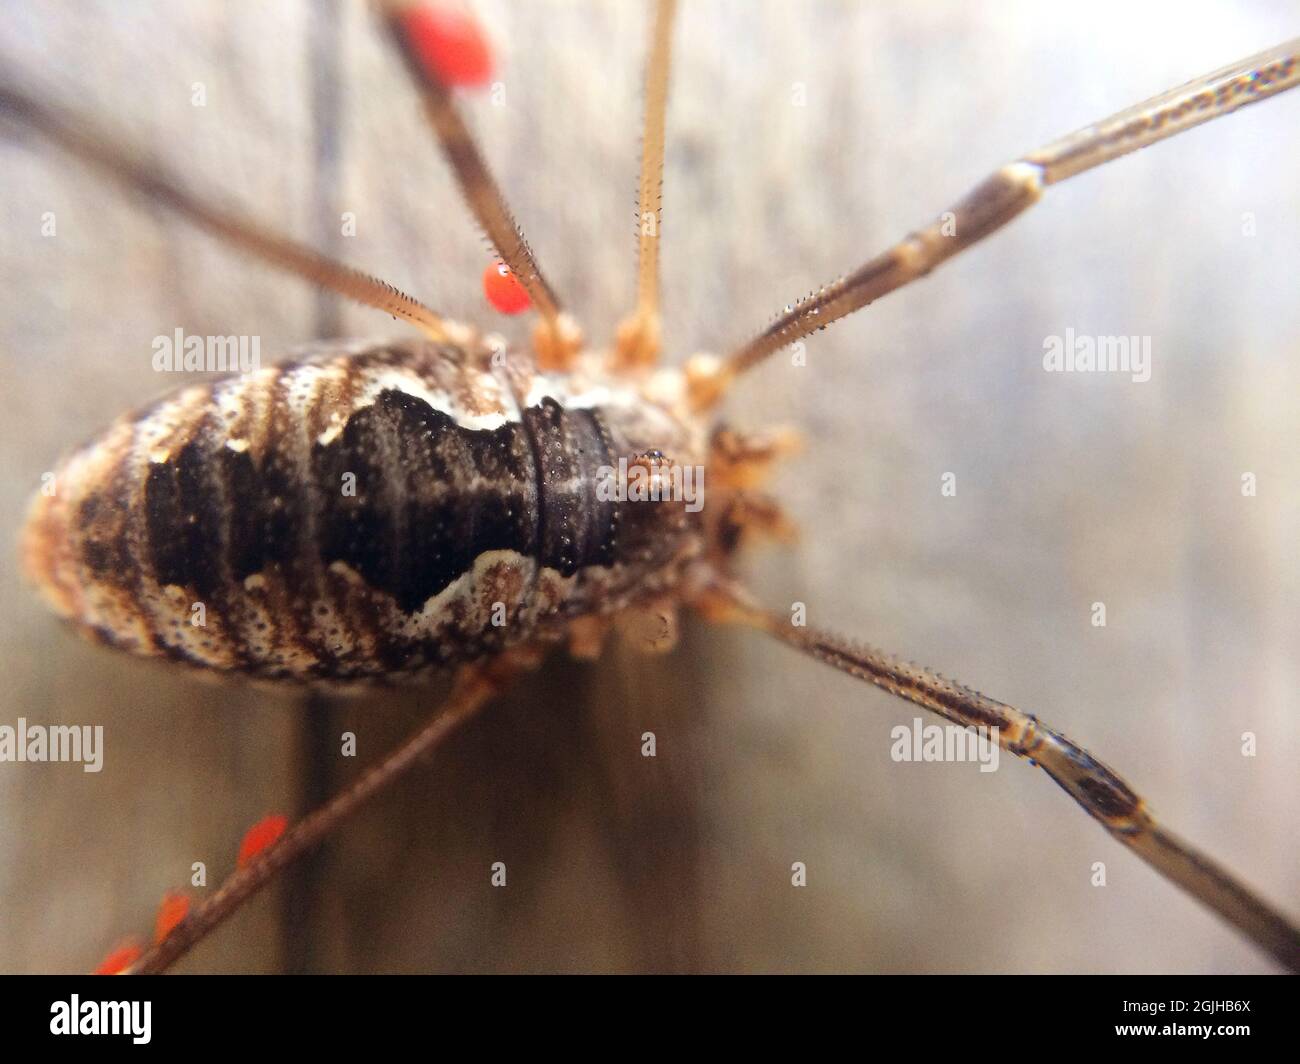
<point x="431" y="495"/>
<point x="266" y="515"/>
<point x="577" y="528"/>
<point x="183" y="518"/>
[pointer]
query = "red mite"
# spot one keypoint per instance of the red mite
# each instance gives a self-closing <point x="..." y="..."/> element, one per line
<point x="503" y="290"/>
<point x="450" y="44"/>
<point x="259" y="837"/>
<point x="120" y="958"/>
<point x="174" y="908"/>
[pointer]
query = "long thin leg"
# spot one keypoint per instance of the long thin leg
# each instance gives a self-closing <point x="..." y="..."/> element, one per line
<point x="474" y="686"/>
<point x="1017" y="186"/>
<point x="481" y="192"/>
<point x="152" y="181"/>
<point x="640" y="335"/>
<point x="1102" y="793"/>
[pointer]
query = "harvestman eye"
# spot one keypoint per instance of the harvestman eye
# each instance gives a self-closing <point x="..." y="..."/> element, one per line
<point x="475" y="539"/>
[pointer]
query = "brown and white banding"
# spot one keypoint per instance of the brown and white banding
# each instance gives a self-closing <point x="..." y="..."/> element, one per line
<point x="468" y="493"/>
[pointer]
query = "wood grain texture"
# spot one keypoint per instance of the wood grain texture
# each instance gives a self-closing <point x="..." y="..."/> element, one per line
<point x="1071" y="489"/>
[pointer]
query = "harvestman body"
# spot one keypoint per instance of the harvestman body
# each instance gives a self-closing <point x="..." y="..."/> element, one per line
<point x="476" y="535"/>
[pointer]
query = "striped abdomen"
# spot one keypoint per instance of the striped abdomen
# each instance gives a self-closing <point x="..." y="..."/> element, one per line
<point x="352" y="515"/>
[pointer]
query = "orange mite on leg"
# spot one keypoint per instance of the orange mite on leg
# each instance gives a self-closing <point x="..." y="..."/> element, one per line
<point x="174" y="908"/>
<point x="122" y="957"/>
<point x="449" y="44"/>
<point x="259" y="837"/>
<point x="504" y="291"/>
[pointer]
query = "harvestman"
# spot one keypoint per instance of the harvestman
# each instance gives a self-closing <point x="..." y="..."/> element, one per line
<point x="701" y="385"/>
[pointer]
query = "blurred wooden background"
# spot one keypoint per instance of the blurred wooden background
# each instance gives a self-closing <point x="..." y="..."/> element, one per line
<point x="1070" y="489"/>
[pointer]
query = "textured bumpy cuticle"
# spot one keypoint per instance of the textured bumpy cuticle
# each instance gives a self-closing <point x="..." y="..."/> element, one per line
<point x="359" y="512"/>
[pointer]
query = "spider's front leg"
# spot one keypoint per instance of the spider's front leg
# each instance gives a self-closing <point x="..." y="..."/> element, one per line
<point x="1099" y="790"/>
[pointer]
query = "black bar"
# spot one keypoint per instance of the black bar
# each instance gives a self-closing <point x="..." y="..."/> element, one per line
<point x="216" y="1014"/>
